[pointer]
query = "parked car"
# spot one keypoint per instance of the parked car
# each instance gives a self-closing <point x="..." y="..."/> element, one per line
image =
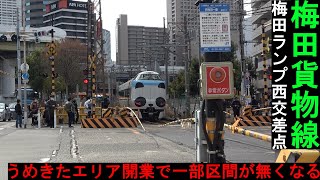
<point x="12" y="110"/>
<point x="4" y="112"/>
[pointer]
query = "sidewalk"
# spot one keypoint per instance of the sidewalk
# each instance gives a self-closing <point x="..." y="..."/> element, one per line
<point x="26" y="145"/>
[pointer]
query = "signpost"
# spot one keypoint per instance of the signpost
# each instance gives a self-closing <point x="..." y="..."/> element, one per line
<point x="215" y="28"/>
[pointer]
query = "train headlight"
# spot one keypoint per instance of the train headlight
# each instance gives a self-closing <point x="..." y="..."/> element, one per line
<point x="160" y="102"/>
<point x="140" y="101"/>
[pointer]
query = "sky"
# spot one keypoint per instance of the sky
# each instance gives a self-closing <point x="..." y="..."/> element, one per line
<point x="139" y="12"/>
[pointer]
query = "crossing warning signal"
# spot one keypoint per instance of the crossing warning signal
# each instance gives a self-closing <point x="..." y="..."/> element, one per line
<point x="85" y="81"/>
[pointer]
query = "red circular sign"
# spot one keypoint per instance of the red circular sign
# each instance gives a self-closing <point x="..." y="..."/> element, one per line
<point x="218" y="74"/>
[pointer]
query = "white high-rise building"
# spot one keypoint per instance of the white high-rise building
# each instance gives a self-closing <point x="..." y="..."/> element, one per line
<point x="8" y="14"/>
<point x="178" y="9"/>
<point x="262" y="16"/>
<point x="107" y="46"/>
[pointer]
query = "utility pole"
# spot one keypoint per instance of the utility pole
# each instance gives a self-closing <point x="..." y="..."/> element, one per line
<point x="101" y="41"/>
<point x="186" y="69"/>
<point x="89" y="44"/>
<point x="243" y="61"/>
<point x="264" y="52"/>
<point x="165" y="56"/>
<point x="19" y="55"/>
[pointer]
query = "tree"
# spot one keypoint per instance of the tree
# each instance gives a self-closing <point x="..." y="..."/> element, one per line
<point x="71" y="54"/>
<point x="39" y="66"/>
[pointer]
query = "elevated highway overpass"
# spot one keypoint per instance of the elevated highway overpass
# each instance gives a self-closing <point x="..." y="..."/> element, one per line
<point x="8" y="64"/>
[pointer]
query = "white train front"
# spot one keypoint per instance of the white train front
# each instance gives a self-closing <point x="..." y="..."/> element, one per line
<point x="147" y="92"/>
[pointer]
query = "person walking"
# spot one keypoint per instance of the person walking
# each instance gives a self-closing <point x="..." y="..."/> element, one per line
<point x="18" y="110"/>
<point x="34" y="111"/>
<point x="69" y="108"/>
<point x="76" y="111"/>
<point x="236" y="106"/>
<point x="52" y="104"/>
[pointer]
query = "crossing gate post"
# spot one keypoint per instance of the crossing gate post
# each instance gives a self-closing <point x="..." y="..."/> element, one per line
<point x="39" y="119"/>
<point x="55" y="119"/>
<point x="200" y="140"/>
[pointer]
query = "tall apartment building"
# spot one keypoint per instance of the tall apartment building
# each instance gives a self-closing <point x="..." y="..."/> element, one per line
<point x="107" y="46"/>
<point x="136" y="45"/>
<point x="8" y="14"/>
<point x="177" y="10"/>
<point x="34" y="11"/>
<point x="262" y="16"/>
<point x="70" y="16"/>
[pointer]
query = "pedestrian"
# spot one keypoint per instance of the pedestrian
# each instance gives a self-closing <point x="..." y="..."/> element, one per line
<point x="105" y="103"/>
<point x="52" y="104"/>
<point x="69" y="108"/>
<point x="34" y="110"/>
<point x="236" y="106"/>
<point x="87" y="106"/>
<point x="18" y="110"/>
<point x="254" y="103"/>
<point x="74" y="102"/>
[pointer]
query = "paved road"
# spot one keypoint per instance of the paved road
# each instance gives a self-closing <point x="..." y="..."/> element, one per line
<point x="238" y="148"/>
<point x="165" y="144"/>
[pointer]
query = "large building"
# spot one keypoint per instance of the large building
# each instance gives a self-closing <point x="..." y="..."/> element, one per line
<point x="177" y="10"/>
<point x="70" y="16"/>
<point x="107" y="46"/>
<point x="262" y="16"/>
<point x="8" y="14"/>
<point x="139" y="45"/>
<point x="34" y="11"/>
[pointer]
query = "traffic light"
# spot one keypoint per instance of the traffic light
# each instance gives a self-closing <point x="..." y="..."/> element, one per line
<point x="269" y="72"/>
<point x="39" y="34"/>
<point x="85" y="81"/>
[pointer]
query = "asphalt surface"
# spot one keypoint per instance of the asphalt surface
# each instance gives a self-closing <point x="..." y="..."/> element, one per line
<point x="158" y="144"/>
<point x="238" y="148"/>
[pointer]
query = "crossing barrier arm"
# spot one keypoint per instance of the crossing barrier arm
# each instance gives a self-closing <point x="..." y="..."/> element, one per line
<point x="261" y="109"/>
<point x="298" y="156"/>
<point x="137" y="118"/>
<point x="248" y="133"/>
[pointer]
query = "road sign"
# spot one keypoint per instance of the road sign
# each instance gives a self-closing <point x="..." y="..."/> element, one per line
<point x="25" y="80"/>
<point x="25" y="76"/>
<point x="217" y="80"/>
<point x="24" y="67"/>
<point x="52" y="49"/>
<point x="215" y="27"/>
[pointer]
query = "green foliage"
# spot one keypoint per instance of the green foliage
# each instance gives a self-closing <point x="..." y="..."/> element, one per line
<point x="60" y="85"/>
<point x="176" y="87"/>
<point x="38" y="67"/>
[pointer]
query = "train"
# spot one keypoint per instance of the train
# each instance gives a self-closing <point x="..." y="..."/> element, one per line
<point x="146" y="92"/>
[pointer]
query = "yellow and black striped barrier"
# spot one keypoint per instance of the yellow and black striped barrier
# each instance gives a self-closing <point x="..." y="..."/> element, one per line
<point x="298" y="156"/>
<point x="254" y="120"/>
<point x="249" y="133"/>
<point x="107" y="112"/>
<point x="110" y="122"/>
<point x="247" y="111"/>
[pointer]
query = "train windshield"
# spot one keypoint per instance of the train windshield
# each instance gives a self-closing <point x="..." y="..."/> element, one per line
<point x="149" y="77"/>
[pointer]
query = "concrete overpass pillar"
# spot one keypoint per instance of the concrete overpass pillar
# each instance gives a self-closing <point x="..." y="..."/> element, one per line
<point x="8" y="82"/>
